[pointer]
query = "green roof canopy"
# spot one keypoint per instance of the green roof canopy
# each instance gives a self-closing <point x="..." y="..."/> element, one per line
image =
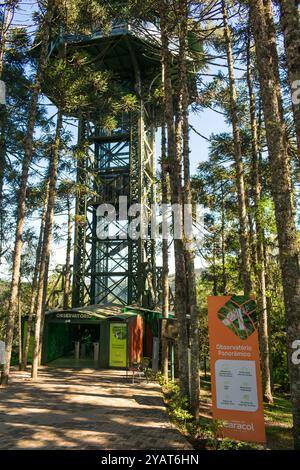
<point x="109" y="311"/>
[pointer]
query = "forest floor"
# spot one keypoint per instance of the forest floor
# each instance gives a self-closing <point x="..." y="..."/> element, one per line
<point x="278" y="418"/>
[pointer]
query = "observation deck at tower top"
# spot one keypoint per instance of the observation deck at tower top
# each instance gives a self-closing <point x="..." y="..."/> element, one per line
<point x="115" y="50"/>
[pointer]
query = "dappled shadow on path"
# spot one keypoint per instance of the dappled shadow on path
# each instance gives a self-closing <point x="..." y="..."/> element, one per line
<point x="86" y="409"/>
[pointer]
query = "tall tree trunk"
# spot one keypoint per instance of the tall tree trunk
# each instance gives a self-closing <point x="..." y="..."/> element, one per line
<point x="175" y="171"/>
<point x="165" y="258"/>
<point x="20" y="327"/>
<point x="44" y="301"/>
<point x="2" y="173"/>
<point x="259" y="268"/>
<point x="181" y="299"/>
<point x="7" y="19"/>
<point x="28" y="151"/>
<point x="67" y="287"/>
<point x="34" y="283"/>
<point x="281" y="189"/>
<point x="290" y="24"/>
<point x="223" y="241"/>
<point x="214" y="265"/>
<point x="188" y="215"/>
<point x="272" y="35"/>
<point x="46" y="248"/>
<point x="8" y="14"/>
<point x="239" y="167"/>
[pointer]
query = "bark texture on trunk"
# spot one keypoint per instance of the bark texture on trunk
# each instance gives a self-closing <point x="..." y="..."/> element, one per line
<point x="165" y="259"/>
<point x="8" y="13"/>
<point x="290" y="24"/>
<point x="20" y="328"/>
<point x="272" y="36"/>
<point x="281" y="190"/>
<point x="192" y="306"/>
<point x="2" y="172"/>
<point x="175" y="171"/>
<point x="28" y="151"/>
<point x="239" y="167"/>
<point x="67" y="286"/>
<point x="34" y="284"/>
<point x="223" y="241"/>
<point x="46" y="248"/>
<point x="259" y="267"/>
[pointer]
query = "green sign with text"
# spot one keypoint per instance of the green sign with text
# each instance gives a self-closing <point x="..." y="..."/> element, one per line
<point x="117" y="345"/>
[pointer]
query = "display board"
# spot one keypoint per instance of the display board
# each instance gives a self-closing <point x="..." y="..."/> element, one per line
<point x="235" y="367"/>
<point x="117" y="344"/>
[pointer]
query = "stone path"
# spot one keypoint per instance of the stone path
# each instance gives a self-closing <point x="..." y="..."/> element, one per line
<point x="84" y="409"/>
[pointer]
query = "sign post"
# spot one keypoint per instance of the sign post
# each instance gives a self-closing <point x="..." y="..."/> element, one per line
<point x="235" y="367"/>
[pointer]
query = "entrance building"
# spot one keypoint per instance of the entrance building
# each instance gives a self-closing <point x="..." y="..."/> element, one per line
<point x="107" y="336"/>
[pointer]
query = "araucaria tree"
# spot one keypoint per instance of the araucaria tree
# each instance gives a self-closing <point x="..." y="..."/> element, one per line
<point x="45" y="25"/>
<point x="281" y="190"/>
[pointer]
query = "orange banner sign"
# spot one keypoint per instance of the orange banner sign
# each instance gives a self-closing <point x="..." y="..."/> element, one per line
<point x="235" y="367"/>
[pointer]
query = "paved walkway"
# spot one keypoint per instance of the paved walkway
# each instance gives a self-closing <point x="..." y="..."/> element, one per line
<point x="84" y="409"/>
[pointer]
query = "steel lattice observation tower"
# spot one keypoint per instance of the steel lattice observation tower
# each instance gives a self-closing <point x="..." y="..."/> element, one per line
<point x="118" y="270"/>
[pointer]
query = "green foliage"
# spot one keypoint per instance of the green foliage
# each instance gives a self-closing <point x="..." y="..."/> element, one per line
<point x="180" y="414"/>
<point x="206" y="430"/>
<point x="74" y="86"/>
<point x="81" y="17"/>
<point x="77" y="87"/>
<point x="214" y="187"/>
<point x="159" y="378"/>
<point x="228" y="444"/>
<point x="178" y="405"/>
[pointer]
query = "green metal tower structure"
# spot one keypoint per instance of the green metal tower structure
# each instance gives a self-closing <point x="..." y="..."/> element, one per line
<point x="117" y="269"/>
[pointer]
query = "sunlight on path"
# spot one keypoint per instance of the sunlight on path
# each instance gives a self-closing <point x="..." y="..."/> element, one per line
<point x="84" y="409"/>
